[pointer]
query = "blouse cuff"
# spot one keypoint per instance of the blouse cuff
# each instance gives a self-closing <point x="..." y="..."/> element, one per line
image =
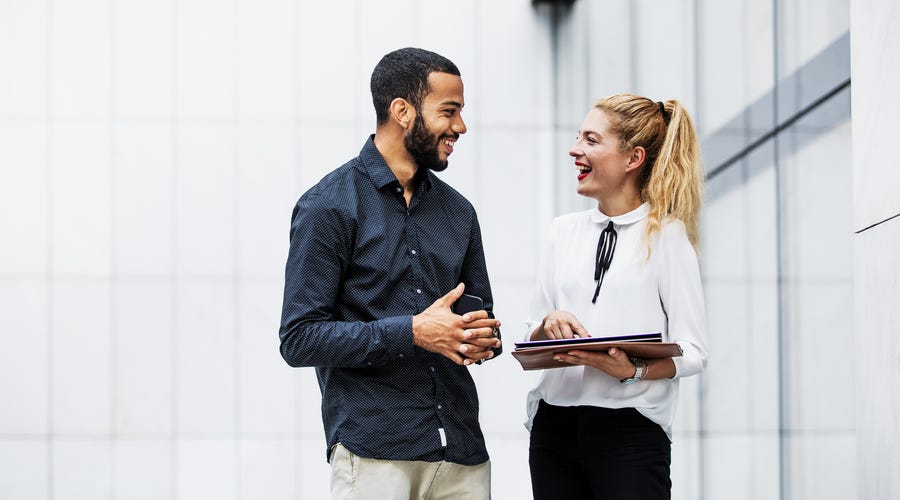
<point x="691" y="362"/>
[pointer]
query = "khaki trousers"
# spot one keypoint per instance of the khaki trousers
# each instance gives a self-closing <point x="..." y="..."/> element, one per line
<point x="357" y="478"/>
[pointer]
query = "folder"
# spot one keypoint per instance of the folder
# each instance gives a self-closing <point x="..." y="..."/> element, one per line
<point x="538" y="354"/>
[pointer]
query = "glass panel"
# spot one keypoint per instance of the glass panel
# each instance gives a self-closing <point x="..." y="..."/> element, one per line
<point x="735" y="57"/>
<point x="741" y="396"/>
<point x="813" y="51"/>
<point x="817" y="266"/>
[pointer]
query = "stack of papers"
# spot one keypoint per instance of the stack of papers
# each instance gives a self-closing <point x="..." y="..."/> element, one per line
<point x="538" y="354"/>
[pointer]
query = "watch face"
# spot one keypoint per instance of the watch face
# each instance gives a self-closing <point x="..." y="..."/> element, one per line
<point x="638" y="372"/>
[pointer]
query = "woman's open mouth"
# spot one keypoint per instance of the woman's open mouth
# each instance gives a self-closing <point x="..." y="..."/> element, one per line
<point x="583" y="170"/>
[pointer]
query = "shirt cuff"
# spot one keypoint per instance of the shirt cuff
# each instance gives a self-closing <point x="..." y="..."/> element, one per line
<point x="397" y="334"/>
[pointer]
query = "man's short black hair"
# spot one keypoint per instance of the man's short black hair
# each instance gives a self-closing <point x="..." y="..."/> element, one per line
<point x="404" y="73"/>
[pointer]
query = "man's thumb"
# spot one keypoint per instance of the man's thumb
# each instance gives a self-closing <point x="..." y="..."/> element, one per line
<point x="453" y="295"/>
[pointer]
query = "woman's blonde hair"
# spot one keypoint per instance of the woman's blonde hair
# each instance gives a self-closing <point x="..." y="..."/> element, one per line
<point x="671" y="179"/>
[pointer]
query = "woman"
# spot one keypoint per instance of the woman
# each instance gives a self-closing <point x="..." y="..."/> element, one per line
<point x="601" y="425"/>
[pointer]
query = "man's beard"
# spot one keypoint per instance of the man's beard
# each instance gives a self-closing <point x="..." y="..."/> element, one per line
<point x="423" y="147"/>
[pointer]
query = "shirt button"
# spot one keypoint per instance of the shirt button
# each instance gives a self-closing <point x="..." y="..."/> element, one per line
<point x="432" y="368"/>
<point x="439" y="407"/>
<point x="412" y="252"/>
<point x="418" y="290"/>
<point x="401" y="354"/>
<point x="399" y="189"/>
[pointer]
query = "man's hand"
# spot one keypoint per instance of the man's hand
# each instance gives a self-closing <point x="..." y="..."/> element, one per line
<point x="464" y="339"/>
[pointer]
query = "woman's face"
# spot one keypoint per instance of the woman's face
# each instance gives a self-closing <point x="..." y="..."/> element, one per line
<point x="600" y="162"/>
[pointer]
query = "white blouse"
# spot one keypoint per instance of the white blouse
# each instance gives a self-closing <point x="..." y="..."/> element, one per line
<point x="639" y="295"/>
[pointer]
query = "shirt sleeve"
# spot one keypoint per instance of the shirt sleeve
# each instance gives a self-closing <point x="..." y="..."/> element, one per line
<point x="322" y="236"/>
<point x="681" y="294"/>
<point x="474" y="272"/>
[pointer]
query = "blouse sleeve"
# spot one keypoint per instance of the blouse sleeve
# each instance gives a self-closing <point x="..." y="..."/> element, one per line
<point x="544" y="299"/>
<point x="681" y="295"/>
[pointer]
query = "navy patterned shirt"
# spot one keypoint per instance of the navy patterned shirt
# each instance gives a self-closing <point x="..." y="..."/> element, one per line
<point x="361" y="264"/>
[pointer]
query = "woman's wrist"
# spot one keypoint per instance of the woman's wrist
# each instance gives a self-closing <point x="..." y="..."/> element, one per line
<point x="641" y="367"/>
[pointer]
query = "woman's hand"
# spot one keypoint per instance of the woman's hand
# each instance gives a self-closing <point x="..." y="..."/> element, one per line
<point x="614" y="362"/>
<point x="559" y="325"/>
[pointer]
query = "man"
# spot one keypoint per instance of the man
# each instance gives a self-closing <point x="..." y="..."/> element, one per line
<point x="381" y="249"/>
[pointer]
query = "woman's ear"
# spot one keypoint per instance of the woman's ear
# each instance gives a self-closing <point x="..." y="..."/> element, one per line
<point x="638" y="155"/>
<point x="402" y="112"/>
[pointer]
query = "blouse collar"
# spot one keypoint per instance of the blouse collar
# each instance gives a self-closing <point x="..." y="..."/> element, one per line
<point x="631" y="217"/>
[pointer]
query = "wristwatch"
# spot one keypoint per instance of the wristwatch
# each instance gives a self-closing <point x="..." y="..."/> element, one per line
<point x="640" y="369"/>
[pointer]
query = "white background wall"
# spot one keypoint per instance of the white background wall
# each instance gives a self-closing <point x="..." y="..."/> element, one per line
<point x="876" y="219"/>
<point x="150" y="155"/>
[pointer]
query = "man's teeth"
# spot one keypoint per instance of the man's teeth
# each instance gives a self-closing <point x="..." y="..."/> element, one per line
<point x="448" y="142"/>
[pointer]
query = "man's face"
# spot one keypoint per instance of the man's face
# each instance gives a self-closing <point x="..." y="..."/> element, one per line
<point x="438" y="123"/>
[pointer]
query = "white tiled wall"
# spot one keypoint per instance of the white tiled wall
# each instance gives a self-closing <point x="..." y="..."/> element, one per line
<point x="771" y="278"/>
<point x="150" y="156"/>
<point x="877" y="359"/>
<point x="143" y="55"/>
<point x="143" y="469"/>
<point x="874" y="40"/>
<point x="80" y="358"/>
<point x="81" y="468"/>
<point x="24" y="189"/>
<point x="24" y="377"/>
<point x="80" y="56"/>
<point x="665" y="74"/>
<point x="143" y="362"/>
<point x="24" y="44"/>
<point x="143" y="208"/>
<point x="876" y="219"/>
<point x="735" y="41"/>
<point x="80" y="215"/>
<point x="26" y="467"/>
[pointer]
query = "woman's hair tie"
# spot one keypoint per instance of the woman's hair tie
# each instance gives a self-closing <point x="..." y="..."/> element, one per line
<point x="662" y="111"/>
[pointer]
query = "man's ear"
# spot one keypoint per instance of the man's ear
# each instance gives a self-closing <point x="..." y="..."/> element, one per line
<point x="638" y="155"/>
<point x="402" y="112"/>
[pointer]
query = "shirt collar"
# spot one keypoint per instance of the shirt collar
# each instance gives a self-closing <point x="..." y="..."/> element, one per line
<point x="631" y="217"/>
<point x="379" y="171"/>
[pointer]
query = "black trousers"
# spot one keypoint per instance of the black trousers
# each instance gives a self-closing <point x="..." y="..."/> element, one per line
<point x="587" y="452"/>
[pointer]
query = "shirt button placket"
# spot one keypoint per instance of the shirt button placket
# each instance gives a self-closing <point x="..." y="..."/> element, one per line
<point x="414" y="263"/>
